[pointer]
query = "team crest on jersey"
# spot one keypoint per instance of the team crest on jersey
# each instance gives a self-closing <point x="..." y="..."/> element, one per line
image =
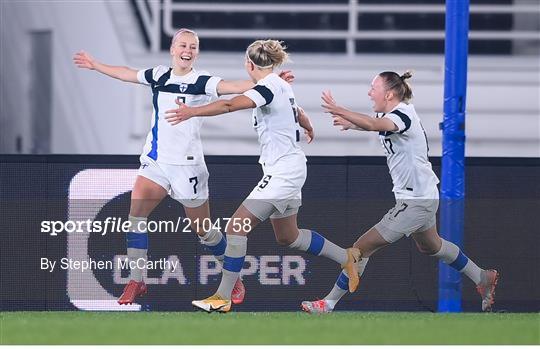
<point x="183" y="87"/>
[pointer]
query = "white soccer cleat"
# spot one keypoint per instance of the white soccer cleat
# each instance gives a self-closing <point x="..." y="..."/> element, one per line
<point x="316" y="307"/>
<point x="213" y="304"/>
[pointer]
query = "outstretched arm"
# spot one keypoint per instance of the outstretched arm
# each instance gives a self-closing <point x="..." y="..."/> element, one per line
<point x="305" y="123"/>
<point x="84" y="60"/>
<point x="225" y="87"/>
<point x="345" y="124"/>
<point x="222" y="106"/>
<point x="362" y="121"/>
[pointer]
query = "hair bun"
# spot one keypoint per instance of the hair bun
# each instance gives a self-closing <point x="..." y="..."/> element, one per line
<point x="406" y="75"/>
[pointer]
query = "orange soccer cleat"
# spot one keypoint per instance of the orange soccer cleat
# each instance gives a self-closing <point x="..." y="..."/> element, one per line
<point x="213" y="304"/>
<point x="351" y="267"/>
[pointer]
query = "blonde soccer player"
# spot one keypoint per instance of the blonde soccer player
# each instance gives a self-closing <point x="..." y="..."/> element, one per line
<point x="404" y="141"/>
<point x="277" y="120"/>
<point x="172" y="160"/>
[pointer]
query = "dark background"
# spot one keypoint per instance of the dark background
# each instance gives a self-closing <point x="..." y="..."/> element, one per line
<point x="343" y="197"/>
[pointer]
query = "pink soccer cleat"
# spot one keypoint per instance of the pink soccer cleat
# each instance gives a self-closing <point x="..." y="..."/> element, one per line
<point x="132" y="290"/>
<point x="316" y="307"/>
<point x="486" y="288"/>
<point x="238" y="292"/>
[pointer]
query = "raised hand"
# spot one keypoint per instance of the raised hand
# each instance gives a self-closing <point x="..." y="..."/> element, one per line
<point x="287" y="75"/>
<point x="330" y="106"/>
<point x="182" y="113"/>
<point x="305" y="123"/>
<point x="341" y="122"/>
<point x="328" y="98"/>
<point x="84" y="60"/>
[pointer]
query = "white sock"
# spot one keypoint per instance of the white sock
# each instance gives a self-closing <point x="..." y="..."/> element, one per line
<point x="341" y="287"/>
<point x="473" y="271"/>
<point x="137" y="246"/>
<point x="312" y="242"/>
<point x="452" y="255"/>
<point x="235" y="253"/>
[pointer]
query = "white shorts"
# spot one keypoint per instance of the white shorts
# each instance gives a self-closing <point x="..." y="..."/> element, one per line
<point x="281" y="187"/>
<point x="408" y="216"/>
<point x="188" y="184"/>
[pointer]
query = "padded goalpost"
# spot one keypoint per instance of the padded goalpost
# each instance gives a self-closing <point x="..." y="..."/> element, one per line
<point x="453" y="147"/>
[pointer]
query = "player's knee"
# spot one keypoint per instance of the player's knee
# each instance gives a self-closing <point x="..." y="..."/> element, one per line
<point x="284" y="240"/>
<point x="428" y="249"/>
<point x="199" y="231"/>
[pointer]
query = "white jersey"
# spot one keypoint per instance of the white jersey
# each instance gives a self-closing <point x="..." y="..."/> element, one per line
<point x="275" y="119"/>
<point x="407" y="155"/>
<point x="179" y="144"/>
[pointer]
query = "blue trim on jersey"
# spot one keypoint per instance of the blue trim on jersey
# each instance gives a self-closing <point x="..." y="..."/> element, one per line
<point x="153" y="154"/>
<point x="385" y="133"/>
<point x="197" y="88"/>
<point x="153" y="150"/>
<point x="316" y="244"/>
<point x="219" y="249"/>
<point x="405" y="118"/>
<point x="265" y="93"/>
<point x="233" y="264"/>
<point x="137" y="240"/>
<point x="149" y="76"/>
<point x="460" y="262"/>
<point x="343" y="281"/>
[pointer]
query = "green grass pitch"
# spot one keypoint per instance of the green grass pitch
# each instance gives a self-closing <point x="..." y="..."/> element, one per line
<point x="267" y="328"/>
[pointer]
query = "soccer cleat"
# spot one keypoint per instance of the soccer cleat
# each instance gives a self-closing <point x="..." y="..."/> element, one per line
<point x="132" y="290"/>
<point x="238" y="292"/>
<point x="351" y="267"/>
<point x="316" y="307"/>
<point x="213" y="304"/>
<point x="486" y="288"/>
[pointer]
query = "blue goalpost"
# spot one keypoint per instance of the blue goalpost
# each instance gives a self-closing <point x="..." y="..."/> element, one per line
<point x="453" y="147"/>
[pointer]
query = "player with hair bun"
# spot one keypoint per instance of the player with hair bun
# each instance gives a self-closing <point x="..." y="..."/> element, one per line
<point x="277" y="119"/>
<point x="404" y="141"/>
<point x="172" y="161"/>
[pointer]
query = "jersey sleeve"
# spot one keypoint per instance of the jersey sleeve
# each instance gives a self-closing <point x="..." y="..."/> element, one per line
<point x="150" y="76"/>
<point x="211" y="86"/>
<point x="260" y="94"/>
<point x="144" y="75"/>
<point x="400" y="119"/>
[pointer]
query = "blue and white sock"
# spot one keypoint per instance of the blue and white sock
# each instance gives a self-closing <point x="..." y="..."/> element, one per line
<point x="216" y="242"/>
<point x="452" y="255"/>
<point x="137" y="246"/>
<point x="341" y="287"/>
<point x="314" y="243"/>
<point x="235" y="254"/>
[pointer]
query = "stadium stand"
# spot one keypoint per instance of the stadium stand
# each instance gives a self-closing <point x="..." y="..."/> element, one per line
<point x="342" y="26"/>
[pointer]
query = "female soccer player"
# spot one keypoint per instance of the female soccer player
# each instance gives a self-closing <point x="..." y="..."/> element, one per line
<point x="276" y="118"/>
<point x="172" y="160"/>
<point x="415" y="187"/>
